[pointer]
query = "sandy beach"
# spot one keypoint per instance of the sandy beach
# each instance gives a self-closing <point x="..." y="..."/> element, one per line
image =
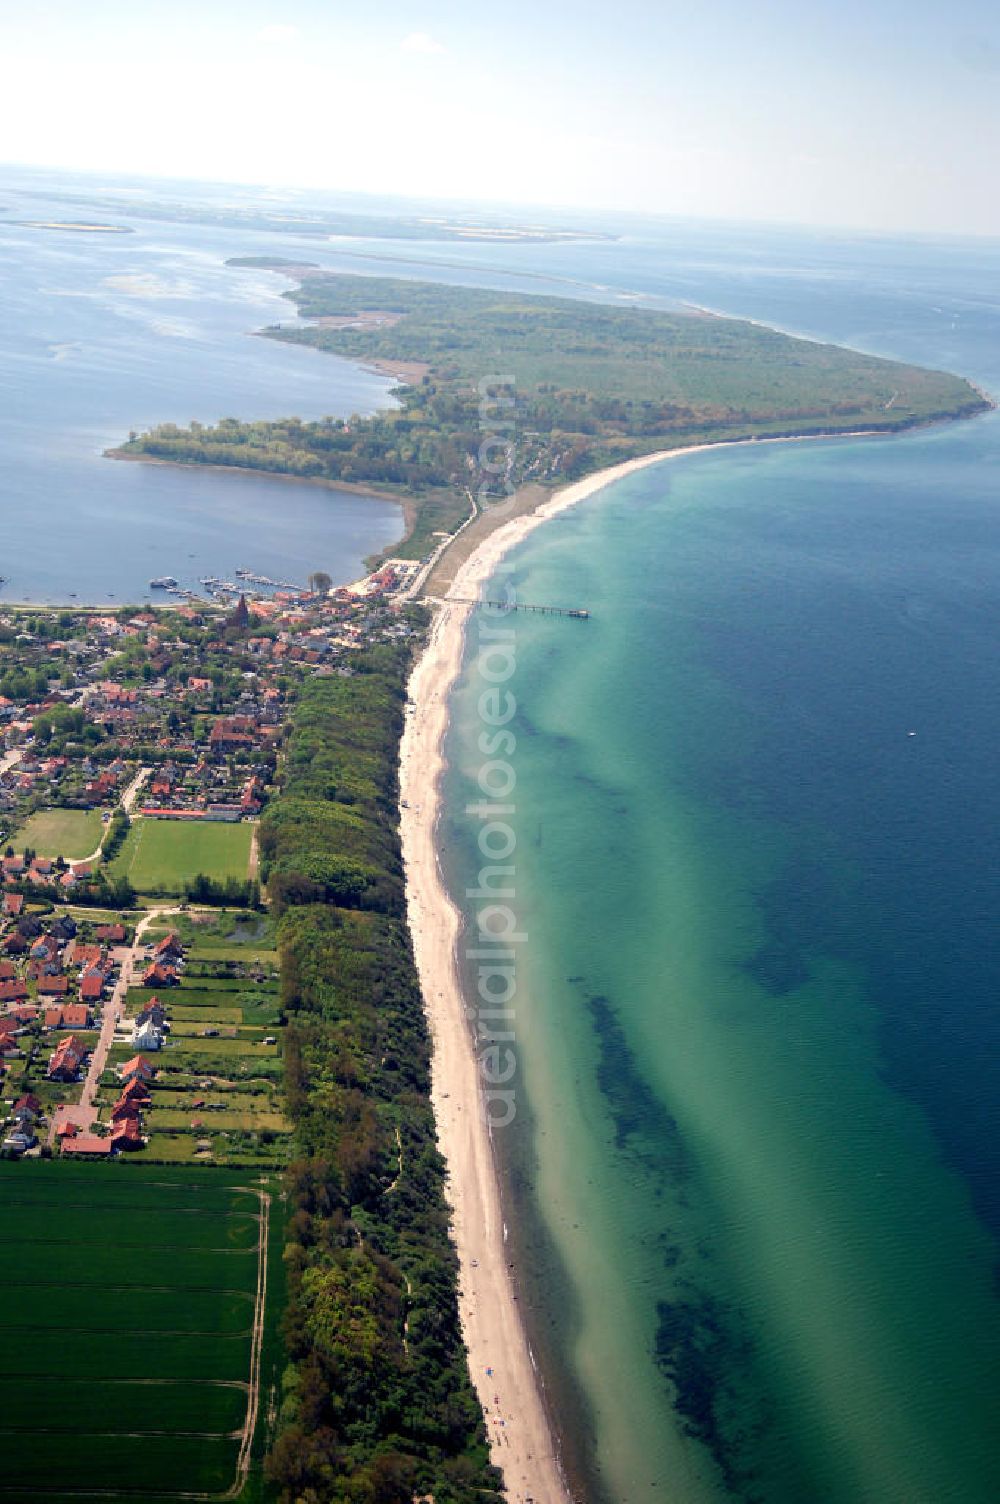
<point x="500" y="1361"/>
<point x="509" y="1386"/>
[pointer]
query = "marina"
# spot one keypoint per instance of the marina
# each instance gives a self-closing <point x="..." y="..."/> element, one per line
<point x="214" y="587"/>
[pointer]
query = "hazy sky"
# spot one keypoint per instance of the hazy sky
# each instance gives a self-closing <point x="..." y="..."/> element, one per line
<point x="880" y="115"/>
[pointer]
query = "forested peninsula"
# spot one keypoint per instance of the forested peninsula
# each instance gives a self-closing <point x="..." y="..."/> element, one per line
<point x="593" y="384"/>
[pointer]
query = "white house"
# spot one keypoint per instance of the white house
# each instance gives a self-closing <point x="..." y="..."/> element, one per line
<point x="147" y="1036"/>
<point x="19" y="1141"/>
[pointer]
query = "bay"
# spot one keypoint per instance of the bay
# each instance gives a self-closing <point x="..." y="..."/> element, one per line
<point x="100" y="334"/>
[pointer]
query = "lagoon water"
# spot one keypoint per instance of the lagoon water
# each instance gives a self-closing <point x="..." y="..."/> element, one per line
<point x="753" y="1178"/>
<point x="100" y="334"/>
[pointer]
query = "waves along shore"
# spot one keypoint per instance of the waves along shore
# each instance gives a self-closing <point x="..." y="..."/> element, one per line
<point x="503" y="1370"/>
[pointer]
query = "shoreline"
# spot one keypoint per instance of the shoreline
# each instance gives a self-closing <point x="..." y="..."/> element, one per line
<point x="354" y="488"/>
<point x="96" y="608"/>
<point x="405" y="502"/>
<point x="526" y="1447"/>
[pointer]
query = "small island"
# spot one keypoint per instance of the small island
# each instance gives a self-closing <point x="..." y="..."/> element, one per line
<point x="80" y="226"/>
<point x="325" y="223"/>
<point x="287" y="266"/>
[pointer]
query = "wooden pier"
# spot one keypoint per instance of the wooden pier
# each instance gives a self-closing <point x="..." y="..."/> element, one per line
<point x="496" y="605"/>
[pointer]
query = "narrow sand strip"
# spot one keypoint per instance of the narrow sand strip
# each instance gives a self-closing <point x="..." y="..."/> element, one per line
<point x="509" y="1386"/>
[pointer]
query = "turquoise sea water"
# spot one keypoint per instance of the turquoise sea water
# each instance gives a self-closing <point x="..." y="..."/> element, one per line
<point x="752" y="1182"/>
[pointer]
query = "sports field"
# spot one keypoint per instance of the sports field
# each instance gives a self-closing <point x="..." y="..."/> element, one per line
<point x="131" y="1359"/>
<point x="72" y="833"/>
<point x="160" y="856"/>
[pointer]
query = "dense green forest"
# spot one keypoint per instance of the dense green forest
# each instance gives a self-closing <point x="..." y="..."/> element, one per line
<point x="593" y="384"/>
<point x="377" y="1405"/>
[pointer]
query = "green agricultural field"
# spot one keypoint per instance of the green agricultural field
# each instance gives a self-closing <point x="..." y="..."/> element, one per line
<point x="72" y="833"/>
<point x="122" y="1355"/>
<point x="109" y="1463"/>
<point x="124" y="1266"/>
<point x="188" y="1228"/>
<point x="86" y="1404"/>
<point x="129" y="1357"/>
<point x="162" y="856"/>
<point x="203" y="1313"/>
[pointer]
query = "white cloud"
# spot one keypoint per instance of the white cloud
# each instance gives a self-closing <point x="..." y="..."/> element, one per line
<point x="420" y="41"/>
<point x="278" y="34"/>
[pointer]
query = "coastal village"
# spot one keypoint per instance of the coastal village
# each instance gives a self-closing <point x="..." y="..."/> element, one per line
<point x="139" y="1008"/>
<point x="173" y="714"/>
<point x="201" y="958"/>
